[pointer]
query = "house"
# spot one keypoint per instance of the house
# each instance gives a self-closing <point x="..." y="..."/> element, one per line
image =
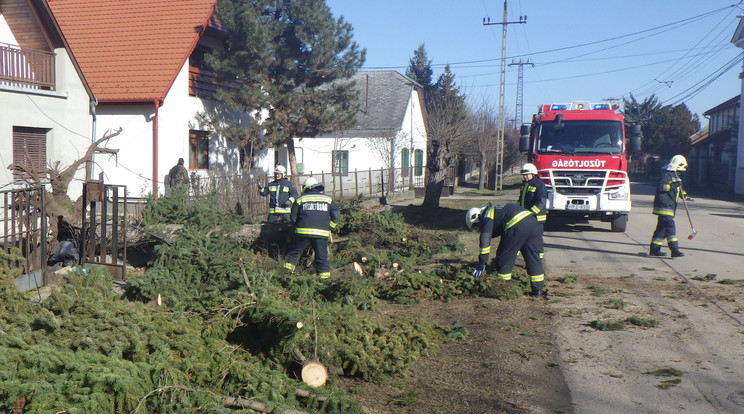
<point x="143" y="62"/>
<point x="390" y="134"/>
<point x="738" y="41"/>
<point x="713" y="154"/>
<point x="45" y="97"/>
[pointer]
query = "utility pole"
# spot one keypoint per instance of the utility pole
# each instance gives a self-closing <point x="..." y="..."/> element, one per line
<point x="520" y="95"/>
<point x="502" y="83"/>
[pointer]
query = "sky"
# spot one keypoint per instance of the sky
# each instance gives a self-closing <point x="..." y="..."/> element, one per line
<point x="679" y="50"/>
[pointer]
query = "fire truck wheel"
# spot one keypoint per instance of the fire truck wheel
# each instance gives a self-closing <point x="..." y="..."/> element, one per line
<point x="619" y="222"/>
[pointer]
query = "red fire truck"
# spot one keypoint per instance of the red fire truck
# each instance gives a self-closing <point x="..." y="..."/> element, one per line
<point x="579" y="149"/>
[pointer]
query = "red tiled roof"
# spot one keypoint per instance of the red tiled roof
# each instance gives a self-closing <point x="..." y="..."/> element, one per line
<point x="131" y="50"/>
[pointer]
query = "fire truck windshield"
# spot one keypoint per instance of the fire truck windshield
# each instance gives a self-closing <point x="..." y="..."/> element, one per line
<point x="580" y="137"/>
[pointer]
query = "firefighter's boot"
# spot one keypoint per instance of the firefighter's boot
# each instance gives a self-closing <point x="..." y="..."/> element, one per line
<point x="674" y="247"/>
<point x="655" y="250"/>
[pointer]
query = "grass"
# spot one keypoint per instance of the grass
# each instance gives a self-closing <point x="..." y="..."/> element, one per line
<point x="607" y="325"/>
<point x="665" y="372"/>
<point x="567" y="279"/>
<point x="643" y="322"/>
<point x="669" y="383"/>
<point x="407" y="399"/>
<point x="615" y="304"/>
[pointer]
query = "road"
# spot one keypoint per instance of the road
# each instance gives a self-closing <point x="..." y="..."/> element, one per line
<point x="700" y="330"/>
<point x="716" y="249"/>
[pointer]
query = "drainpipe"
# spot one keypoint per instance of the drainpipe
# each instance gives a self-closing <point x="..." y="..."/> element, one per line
<point x="93" y="104"/>
<point x="155" y="173"/>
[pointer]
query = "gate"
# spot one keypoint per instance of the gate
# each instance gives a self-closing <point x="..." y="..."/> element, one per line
<point x="104" y="239"/>
<point x="24" y="227"/>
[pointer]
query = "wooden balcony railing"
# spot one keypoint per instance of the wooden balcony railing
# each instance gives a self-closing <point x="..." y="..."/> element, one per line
<point x="26" y="68"/>
<point x="203" y="83"/>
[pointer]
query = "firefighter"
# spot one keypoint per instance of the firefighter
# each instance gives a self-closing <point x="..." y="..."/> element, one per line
<point x="314" y="214"/>
<point x="533" y="196"/>
<point x="519" y="231"/>
<point x="281" y="196"/>
<point x="668" y="192"/>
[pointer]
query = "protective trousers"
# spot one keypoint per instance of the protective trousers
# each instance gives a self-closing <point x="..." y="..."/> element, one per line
<point x="320" y="247"/>
<point x="665" y="229"/>
<point x="524" y="237"/>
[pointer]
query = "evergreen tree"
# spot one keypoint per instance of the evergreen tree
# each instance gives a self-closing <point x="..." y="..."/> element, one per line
<point x="419" y="68"/>
<point x="640" y="112"/>
<point x="290" y="61"/>
<point x="668" y="131"/>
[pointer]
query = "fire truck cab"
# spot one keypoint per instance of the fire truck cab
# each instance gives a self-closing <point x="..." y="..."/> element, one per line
<point x="580" y="151"/>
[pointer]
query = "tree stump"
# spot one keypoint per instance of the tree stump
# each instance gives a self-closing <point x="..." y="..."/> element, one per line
<point x="314" y="374"/>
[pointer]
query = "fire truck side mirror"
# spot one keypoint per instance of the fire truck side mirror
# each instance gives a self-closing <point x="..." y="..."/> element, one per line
<point x="524" y="138"/>
<point x="634" y="138"/>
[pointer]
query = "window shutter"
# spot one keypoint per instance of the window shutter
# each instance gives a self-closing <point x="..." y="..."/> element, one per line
<point x="29" y="149"/>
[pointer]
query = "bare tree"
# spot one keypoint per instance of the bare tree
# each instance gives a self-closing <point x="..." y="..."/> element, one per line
<point x="484" y="124"/>
<point x="60" y="209"/>
<point x="387" y="144"/>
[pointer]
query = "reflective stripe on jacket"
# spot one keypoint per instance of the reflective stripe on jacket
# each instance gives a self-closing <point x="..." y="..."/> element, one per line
<point x="668" y="192"/>
<point x="281" y="196"/>
<point x="314" y="214"/>
<point x="533" y="196"/>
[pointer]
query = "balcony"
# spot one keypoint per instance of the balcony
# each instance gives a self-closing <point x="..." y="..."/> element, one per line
<point x="26" y="68"/>
<point x="203" y="83"/>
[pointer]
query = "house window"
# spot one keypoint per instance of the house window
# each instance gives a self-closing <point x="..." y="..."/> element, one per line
<point x="418" y="162"/>
<point x="199" y="149"/>
<point x="340" y="162"/>
<point x="29" y="150"/>
<point x="404" y="162"/>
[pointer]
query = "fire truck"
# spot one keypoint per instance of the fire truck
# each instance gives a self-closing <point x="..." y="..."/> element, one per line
<point x="579" y="149"/>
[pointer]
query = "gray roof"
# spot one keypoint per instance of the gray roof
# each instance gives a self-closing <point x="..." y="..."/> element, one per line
<point x="383" y="97"/>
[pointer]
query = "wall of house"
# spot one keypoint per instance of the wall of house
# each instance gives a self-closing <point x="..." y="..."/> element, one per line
<point x="65" y="112"/>
<point x="133" y="166"/>
<point x="315" y="154"/>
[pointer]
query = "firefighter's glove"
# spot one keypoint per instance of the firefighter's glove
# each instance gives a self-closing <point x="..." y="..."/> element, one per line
<point x="479" y="270"/>
<point x="688" y="198"/>
<point x="260" y="187"/>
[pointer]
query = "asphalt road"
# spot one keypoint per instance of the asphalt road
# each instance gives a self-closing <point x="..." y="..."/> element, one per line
<point x="590" y="246"/>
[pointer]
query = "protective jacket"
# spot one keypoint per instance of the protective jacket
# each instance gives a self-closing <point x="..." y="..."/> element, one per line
<point x="668" y="192"/>
<point x="533" y="196"/>
<point x="314" y="214"/>
<point x="519" y="232"/>
<point x="495" y="222"/>
<point x="282" y="195"/>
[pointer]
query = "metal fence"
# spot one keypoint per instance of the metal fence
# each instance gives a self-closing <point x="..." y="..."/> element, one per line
<point x="24" y="227"/>
<point x="239" y="194"/>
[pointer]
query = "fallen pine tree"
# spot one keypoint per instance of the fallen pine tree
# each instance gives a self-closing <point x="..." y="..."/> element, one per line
<point x="234" y="329"/>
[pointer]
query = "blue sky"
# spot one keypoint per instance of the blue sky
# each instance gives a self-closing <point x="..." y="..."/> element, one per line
<point x="582" y="50"/>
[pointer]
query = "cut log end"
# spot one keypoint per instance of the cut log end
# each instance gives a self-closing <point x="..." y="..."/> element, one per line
<point x="314" y="374"/>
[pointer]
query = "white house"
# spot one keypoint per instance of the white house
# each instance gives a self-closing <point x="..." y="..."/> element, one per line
<point x="143" y="63"/>
<point x="45" y="99"/>
<point x="390" y="133"/>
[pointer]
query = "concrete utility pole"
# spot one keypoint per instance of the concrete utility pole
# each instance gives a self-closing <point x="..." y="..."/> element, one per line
<point x="502" y="83"/>
<point x="520" y="95"/>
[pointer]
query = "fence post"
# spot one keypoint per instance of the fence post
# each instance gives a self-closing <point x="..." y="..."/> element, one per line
<point x="356" y="183"/>
<point x="341" y="186"/>
<point x="370" y="182"/>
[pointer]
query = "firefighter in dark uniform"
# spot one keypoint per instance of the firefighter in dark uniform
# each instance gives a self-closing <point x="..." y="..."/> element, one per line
<point x="533" y="196"/>
<point x="519" y="232"/>
<point x="314" y="214"/>
<point x="668" y="192"/>
<point x="282" y="194"/>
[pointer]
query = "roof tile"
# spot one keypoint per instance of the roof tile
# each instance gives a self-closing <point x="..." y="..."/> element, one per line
<point x="131" y="50"/>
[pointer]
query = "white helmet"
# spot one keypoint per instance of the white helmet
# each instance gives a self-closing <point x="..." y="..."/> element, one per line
<point x="280" y="170"/>
<point x="311" y="183"/>
<point x="473" y="216"/>
<point x="529" y="169"/>
<point x="677" y="163"/>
